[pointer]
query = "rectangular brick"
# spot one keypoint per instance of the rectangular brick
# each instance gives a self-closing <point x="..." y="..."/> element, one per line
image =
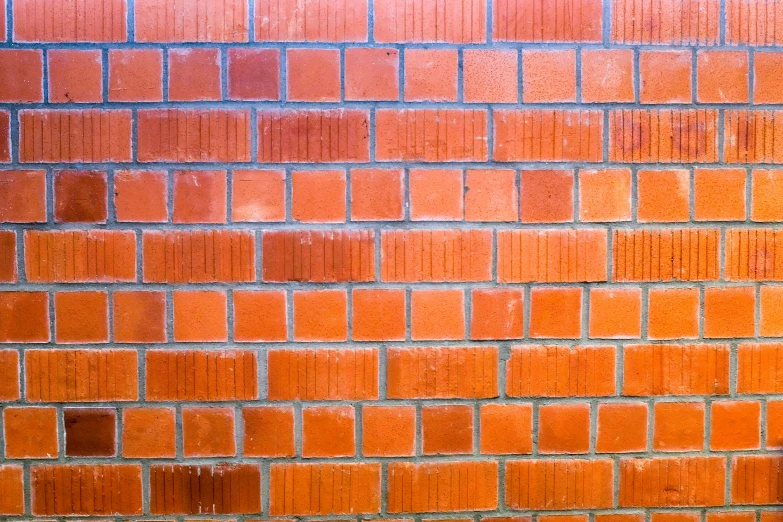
<point x="673" y="369"/>
<point x="74" y="136"/>
<point x="756" y="479"/>
<point x="173" y="21"/>
<point x="12" y="486"/>
<point x="442" y="373"/>
<point x="672" y="482"/>
<point x="199" y="375"/>
<point x="9" y="369"/>
<point x="8" y="271"/>
<point x="663" y="136"/>
<point x="84" y="21"/>
<point x="760" y="368"/>
<point x="193" y="135"/>
<point x="431" y="135"/>
<point x="666" y="22"/>
<point x="206" y="489"/>
<point x="323" y="374"/>
<point x="318" y="256"/>
<point x="199" y="256"/>
<point x="5" y="127"/>
<point x="559" y="484"/>
<point x="753" y="136"/>
<point x="547" y="21"/>
<point x="434" y="487"/>
<point x="333" y="21"/>
<point x="80" y="256"/>
<point x="548" y="135"/>
<point x="551" y="256"/>
<point x="313" y="136"/>
<point x="436" y="255"/>
<point x="324" y="489"/>
<point x="754" y="23"/>
<point x="560" y="371"/>
<point x="666" y="255"/>
<point x="417" y="22"/>
<point x="752" y="254"/>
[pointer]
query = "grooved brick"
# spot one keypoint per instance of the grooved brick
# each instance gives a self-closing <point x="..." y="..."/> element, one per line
<point x="760" y="368"/>
<point x="334" y="21"/>
<point x="436" y="255"/>
<point x="546" y="21"/>
<point x="199" y="375"/>
<point x="551" y="256"/>
<point x="674" y="369"/>
<point x="74" y="136"/>
<point x="8" y="271"/>
<point x="663" y="136"/>
<point x="324" y="489"/>
<point x="682" y="481"/>
<point x="12" y="486"/>
<point x="442" y="486"/>
<point x="206" y="489"/>
<point x="83" y="21"/>
<point x="559" y="484"/>
<point x="199" y="256"/>
<point x="313" y="136"/>
<point x="666" y="255"/>
<point x="9" y="367"/>
<point x="666" y="22"/>
<point x="752" y="254"/>
<point x="323" y="374"/>
<point x="418" y="22"/>
<point x="560" y="371"/>
<point x="80" y="256"/>
<point x="199" y="21"/>
<point x="318" y="256"/>
<point x="104" y="489"/>
<point x="5" y="134"/>
<point x="190" y="135"/>
<point x="752" y="23"/>
<point x="752" y="136"/>
<point x="548" y="135"/>
<point x="442" y="373"/>
<point x="755" y="479"/>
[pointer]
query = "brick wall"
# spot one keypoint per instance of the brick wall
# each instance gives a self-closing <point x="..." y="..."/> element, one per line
<point x="392" y="259"/>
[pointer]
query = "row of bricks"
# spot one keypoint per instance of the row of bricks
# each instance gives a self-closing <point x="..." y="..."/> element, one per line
<point x="373" y="74"/>
<point x="674" y="22"/>
<point x="80" y="375"/>
<point x="422" y="487"/>
<point x="322" y="196"/>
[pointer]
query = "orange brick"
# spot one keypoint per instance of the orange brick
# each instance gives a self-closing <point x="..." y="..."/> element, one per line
<point x="75" y="76"/>
<point x="139" y="317"/>
<point x="490" y="75"/>
<point x="135" y="75"/>
<point x="388" y="431"/>
<point x="22" y="71"/>
<point x="496" y="314"/>
<point x="621" y="427"/>
<point x="328" y="431"/>
<point x="663" y="196"/>
<point x="81" y="317"/>
<point x="436" y="23"/>
<point x="378" y="314"/>
<point x="733" y="516"/>
<point x="258" y="195"/>
<point x="436" y="195"/>
<point x="8" y="269"/>
<point x="528" y="495"/>
<point x="774" y="424"/>
<point x="729" y="312"/>
<point x="268" y="431"/>
<point x="318" y="196"/>
<point x="208" y="432"/>
<point x="506" y="429"/>
<point x="286" y="23"/>
<point x="564" y="428"/>
<point x="194" y="24"/>
<point x="719" y="194"/>
<point x="9" y="367"/>
<point x="607" y="75"/>
<point x="149" y="433"/>
<point x="665" y="76"/>
<point x="320" y="315"/>
<point x="556" y="312"/>
<point x="30" y="433"/>
<point x="22" y="196"/>
<point x="431" y="75"/>
<point x="673" y="313"/>
<point x="677" y="516"/>
<point x="491" y="195"/>
<point x="771" y="315"/>
<point x="25" y="318"/>
<point x="141" y="196"/>
<point x="377" y="194"/>
<point x="199" y="196"/>
<point x="260" y="316"/>
<point x="437" y="314"/>
<point x="579" y="21"/>
<point x="548" y="76"/>
<point x="313" y="75"/>
<point x="701" y="481"/>
<point x="605" y="195"/>
<point x="766" y="195"/>
<point x="194" y="74"/>
<point x="722" y="77"/>
<point x="767" y="77"/>
<point x="735" y="425"/>
<point x="447" y="430"/>
<point x="615" y="313"/>
<point x="678" y="426"/>
<point x="12" y="482"/>
<point x="673" y="24"/>
<point x="694" y="369"/>
<point x="372" y="74"/>
<point x="200" y="316"/>
<point x="546" y="196"/>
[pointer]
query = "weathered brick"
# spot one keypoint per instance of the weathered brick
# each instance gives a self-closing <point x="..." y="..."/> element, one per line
<point x="752" y="254"/>
<point x="84" y="21"/>
<point x="335" y="21"/>
<point x="204" y="489"/>
<point x="752" y="136"/>
<point x="673" y="369"/>
<point x="408" y="21"/>
<point x="547" y="21"/>
<point x="559" y="484"/>
<point x="172" y="21"/>
<point x="672" y="482"/>
<point x="753" y="23"/>
<point x="666" y="22"/>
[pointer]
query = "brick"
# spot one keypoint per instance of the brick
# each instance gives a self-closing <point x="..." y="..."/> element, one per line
<point x="199" y="196"/>
<point x="80" y="256"/>
<point x="25" y="317"/>
<point x="436" y="194"/>
<point x="605" y="195"/>
<point x="437" y="314"/>
<point x="621" y="427"/>
<point x="313" y="75"/>
<point x="208" y="432"/>
<point x="663" y="196"/>
<point x="200" y="375"/>
<point x="735" y="425"/>
<point x="766" y="195"/>
<point x="548" y="135"/>
<point x="204" y="489"/>
<point x="377" y="194"/>
<point x="751" y="254"/>
<point x="546" y="21"/>
<point x="75" y="136"/>
<point x="135" y="75"/>
<point x="22" y="196"/>
<point x="607" y="75"/>
<point x="560" y="371"/>
<point x="80" y="196"/>
<point x="388" y="431"/>
<point x="506" y="429"/>
<point x="757" y="371"/>
<point x="686" y="254"/>
<point x="320" y="315"/>
<point x="106" y="489"/>
<point x="431" y="75"/>
<point x="258" y="195"/>
<point x="268" y="432"/>
<point x="303" y="489"/>
<point x="678" y="426"/>
<point x="722" y="76"/>
<point x="319" y="256"/>
<point x="719" y="194"/>
<point x="767" y="78"/>
<point x="615" y="313"/>
<point x="546" y="196"/>
<point x="23" y="74"/>
<point x="679" y="516"/>
<point x="200" y="316"/>
<point x="3" y="23"/>
<point x="447" y="429"/>
<point x="253" y="74"/>
<point x="673" y="22"/>
<point x="564" y="428"/>
<point x="5" y="137"/>
<point x="771" y="311"/>
<point x="323" y="374"/>
<point x="673" y="313"/>
<point x="548" y="76"/>
<point x="550" y="256"/>
<point x="328" y="431"/>
<point x="543" y="484"/>
<point x="689" y="481"/>
<point x="30" y="433"/>
<point x="754" y="479"/>
<point x="372" y="74"/>
<point x="496" y="314"/>
<point x="556" y="313"/>
<point x="337" y="21"/>
<point x="663" y="136"/>
<point x="750" y="24"/>
<point x="139" y="317"/>
<point x="90" y="432"/>
<point x="427" y="135"/>
<point x="149" y="433"/>
<point x="81" y="317"/>
<point x="313" y="136"/>
<point x="140" y="196"/>
<point x="749" y="136"/>
<point x="9" y="367"/>
<point x="75" y="76"/>
<point x="665" y="76"/>
<point x="171" y="21"/>
<point x="318" y="196"/>
<point x="378" y="314"/>
<point x="88" y="21"/>
<point x="401" y="21"/>
<point x="491" y="195"/>
<point x="774" y="424"/>
<point x="490" y="75"/>
<point x="8" y="269"/>
<point x="693" y="369"/>
<point x="194" y="74"/>
<point x="260" y="316"/>
<point x="619" y="517"/>
<point x="436" y="255"/>
<point x="479" y="477"/>
<point x="81" y="375"/>
<point x="729" y="312"/>
<point x="12" y="484"/>
<point x="442" y="373"/>
<point x="733" y="516"/>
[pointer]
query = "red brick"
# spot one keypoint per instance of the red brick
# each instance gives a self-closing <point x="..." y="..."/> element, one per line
<point x="665" y="76"/>
<point x="378" y="314"/>
<point x="258" y="195"/>
<point x="5" y="137"/>
<point x="135" y="75"/>
<point x="90" y="432"/>
<point x="318" y="196"/>
<point x="548" y="76"/>
<point x="437" y="314"/>
<point x="372" y="74"/>
<point x="313" y="75"/>
<point x="8" y="270"/>
<point x="694" y="369"/>
<point x="544" y="492"/>
<point x="734" y="516"/>
<point x="447" y="430"/>
<point x="546" y="196"/>
<point x="480" y="477"/>
<point x="735" y="425"/>
<point x="194" y="74"/>
<point x="141" y="196"/>
<point x="695" y="481"/>
<point x="12" y="483"/>
<point x="546" y="21"/>
<point x="81" y="317"/>
<point x="336" y="21"/>
<point x="154" y="21"/>
<point x="320" y="315"/>
<point x="605" y="195"/>
<point x="615" y="313"/>
<point x="25" y="318"/>
<point x="199" y="196"/>
<point x="431" y="75"/>
<point x="607" y="75"/>
<point x="22" y="72"/>
<point x="268" y="431"/>
<point x="491" y="195"/>
<point x="208" y="432"/>
<point x="663" y="196"/>
<point x="200" y="316"/>
<point x="621" y="427"/>
<point x="556" y="312"/>
<point x="388" y="431"/>
<point x="564" y="428"/>
<point x="496" y="314"/>
<point x="149" y="433"/>
<point x="719" y="194"/>
<point x="253" y="74"/>
<point x="677" y="516"/>
<point x="435" y="23"/>
<point x="490" y="75"/>
<point x="75" y="76"/>
<point x="260" y="316"/>
<point x="673" y="313"/>
<point x="729" y="312"/>
<point x="506" y="429"/>
<point x="678" y="426"/>
<point x="9" y="367"/>
<point x="87" y="21"/>
<point x="139" y="317"/>
<point x="722" y="77"/>
<point x="673" y="22"/>
<point x="80" y="196"/>
<point x="242" y="480"/>
<point x="30" y="433"/>
<point x="377" y="194"/>
<point x="328" y="431"/>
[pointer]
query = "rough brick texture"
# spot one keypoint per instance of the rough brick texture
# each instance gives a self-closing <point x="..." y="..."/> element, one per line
<point x="391" y="260"/>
